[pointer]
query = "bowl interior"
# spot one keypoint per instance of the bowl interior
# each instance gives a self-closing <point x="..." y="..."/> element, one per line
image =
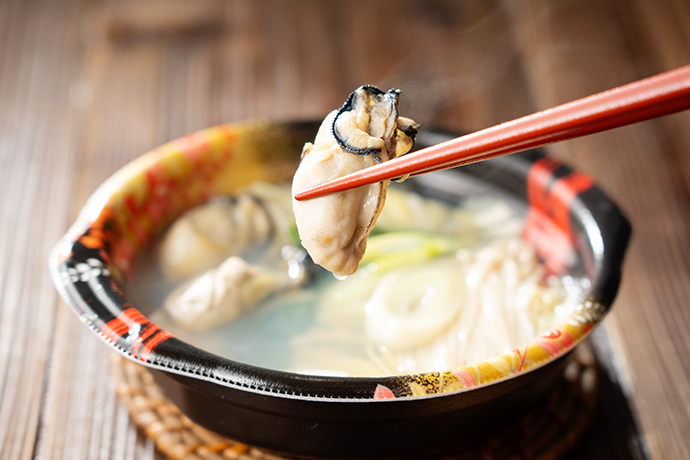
<point x="572" y="224"/>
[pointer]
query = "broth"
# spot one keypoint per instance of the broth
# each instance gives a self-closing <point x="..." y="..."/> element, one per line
<point x="339" y="327"/>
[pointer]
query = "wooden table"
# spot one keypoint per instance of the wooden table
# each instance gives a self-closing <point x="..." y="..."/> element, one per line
<point x="86" y="86"/>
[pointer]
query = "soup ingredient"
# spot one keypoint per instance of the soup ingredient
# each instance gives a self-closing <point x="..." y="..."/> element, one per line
<point x="461" y="309"/>
<point x="413" y="305"/>
<point x="223" y="293"/>
<point x="365" y="131"/>
<point x="442" y="284"/>
<point x="396" y="249"/>
<point x="424" y="301"/>
<point x="479" y="218"/>
<point x="210" y="238"/>
<point x="208" y="234"/>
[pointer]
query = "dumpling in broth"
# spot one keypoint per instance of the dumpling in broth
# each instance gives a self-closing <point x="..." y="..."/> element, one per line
<point x="365" y="131"/>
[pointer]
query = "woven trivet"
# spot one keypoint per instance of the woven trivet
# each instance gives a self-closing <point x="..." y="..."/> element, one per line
<point x="546" y="432"/>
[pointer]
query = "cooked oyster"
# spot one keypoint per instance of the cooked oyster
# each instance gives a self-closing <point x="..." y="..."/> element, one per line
<point x="208" y="234"/>
<point x="365" y="131"/>
<point x="222" y="293"/>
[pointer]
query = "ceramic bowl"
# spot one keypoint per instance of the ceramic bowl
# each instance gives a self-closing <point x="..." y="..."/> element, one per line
<point x="572" y="223"/>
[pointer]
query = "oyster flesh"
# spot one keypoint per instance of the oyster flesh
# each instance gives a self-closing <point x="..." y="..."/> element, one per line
<point x="365" y="131"/>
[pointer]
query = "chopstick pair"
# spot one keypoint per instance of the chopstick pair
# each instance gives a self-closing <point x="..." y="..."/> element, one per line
<point x="652" y="97"/>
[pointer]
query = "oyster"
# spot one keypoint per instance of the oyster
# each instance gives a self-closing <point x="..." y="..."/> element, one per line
<point x="222" y="293"/>
<point x="207" y="235"/>
<point x="365" y="131"/>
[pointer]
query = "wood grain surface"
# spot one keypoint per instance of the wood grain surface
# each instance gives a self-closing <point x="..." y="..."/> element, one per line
<point x="86" y="86"/>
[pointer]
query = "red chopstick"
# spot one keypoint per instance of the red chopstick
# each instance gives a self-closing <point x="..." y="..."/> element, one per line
<point x="652" y="97"/>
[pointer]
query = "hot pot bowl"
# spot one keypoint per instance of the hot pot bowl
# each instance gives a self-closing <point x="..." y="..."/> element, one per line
<point x="569" y="220"/>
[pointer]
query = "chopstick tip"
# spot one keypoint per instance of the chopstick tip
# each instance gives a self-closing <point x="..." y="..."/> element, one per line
<point x="310" y="193"/>
<point x="299" y="196"/>
<point x="320" y="190"/>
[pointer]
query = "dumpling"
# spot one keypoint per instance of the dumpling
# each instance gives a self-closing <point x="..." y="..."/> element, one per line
<point x="365" y="131"/>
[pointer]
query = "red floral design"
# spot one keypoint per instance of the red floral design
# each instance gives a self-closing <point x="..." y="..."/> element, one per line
<point x="555" y="341"/>
<point x="547" y="225"/>
<point x="97" y="234"/>
<point x="465" y="377"/>
<point x="522" y="355"/>
<point x="383" y="392"/>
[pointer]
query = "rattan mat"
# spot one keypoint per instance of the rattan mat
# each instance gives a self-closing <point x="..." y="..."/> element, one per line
<point x="547" y="432"/>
